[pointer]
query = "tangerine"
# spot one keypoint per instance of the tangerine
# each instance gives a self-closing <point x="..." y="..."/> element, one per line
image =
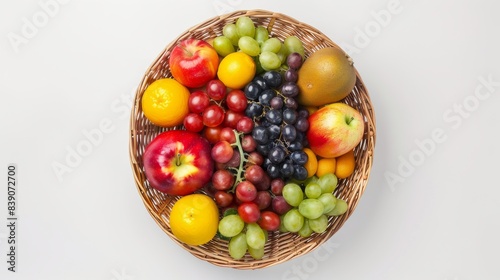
<point x="311" y="164"/>
<point x="345" y="165"/>
<point x="165" y="102"/>
<point x="325" y="166"/>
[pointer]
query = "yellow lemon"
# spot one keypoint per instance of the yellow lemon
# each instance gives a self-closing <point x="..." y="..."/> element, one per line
<point x="194" y="219"/>
<point x="236" y="70"/>
<point x="165" y="102"/>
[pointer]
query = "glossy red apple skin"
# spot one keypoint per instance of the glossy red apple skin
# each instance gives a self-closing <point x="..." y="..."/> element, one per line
<point x="193" y="62"/>
<point x="178" y="162"/>
<point x="334" y="130"/>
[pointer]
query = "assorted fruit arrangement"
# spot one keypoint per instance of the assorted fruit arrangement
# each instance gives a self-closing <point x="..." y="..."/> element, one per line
<point x="257" y="138"/>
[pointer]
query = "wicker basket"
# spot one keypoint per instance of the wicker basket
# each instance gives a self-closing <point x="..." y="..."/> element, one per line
<point x="281" y="247"/>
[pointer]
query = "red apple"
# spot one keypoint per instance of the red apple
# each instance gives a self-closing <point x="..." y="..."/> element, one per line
<point x="193" y="62"/>
<point x="178" y="162"/>
<point x="334" y="130"/>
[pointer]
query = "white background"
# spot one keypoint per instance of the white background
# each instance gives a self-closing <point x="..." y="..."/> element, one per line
<point x="438" y="220"/>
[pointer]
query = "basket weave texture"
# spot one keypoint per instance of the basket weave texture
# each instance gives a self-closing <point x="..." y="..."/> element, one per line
<point x="280" y="247"/>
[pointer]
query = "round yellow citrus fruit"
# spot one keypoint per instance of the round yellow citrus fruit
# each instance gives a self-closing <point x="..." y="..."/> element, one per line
<point x="311" y="164"/>
<point x="345" y="165"/>
<point x="236" y="70"/>
<point x="194" y="219"/>
<point x="325" y="166"/>
<point x="165" y="102"/>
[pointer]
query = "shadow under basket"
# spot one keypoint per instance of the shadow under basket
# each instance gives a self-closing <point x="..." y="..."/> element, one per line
<point x="280" y="247"/>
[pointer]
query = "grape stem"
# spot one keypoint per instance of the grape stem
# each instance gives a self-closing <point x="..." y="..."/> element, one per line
<point x="239" y="172"/>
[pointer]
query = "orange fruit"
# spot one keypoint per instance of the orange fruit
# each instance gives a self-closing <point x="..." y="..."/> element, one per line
<point x="325" y="166"/>
<point x="312" y="162"/>
<point x="165" y="102"/>
<point x="236" y="70"/>
<point x="345" y="165"/>
<point x="194" y="219"/>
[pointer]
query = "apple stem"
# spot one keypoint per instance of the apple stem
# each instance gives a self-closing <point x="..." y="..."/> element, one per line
<point x="349" y="120"/>
<point x="178" y="159"/>
<point x="239" y="172"/>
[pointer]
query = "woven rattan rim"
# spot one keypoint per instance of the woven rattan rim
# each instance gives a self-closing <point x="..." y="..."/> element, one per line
<point x="281" y="247"/>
